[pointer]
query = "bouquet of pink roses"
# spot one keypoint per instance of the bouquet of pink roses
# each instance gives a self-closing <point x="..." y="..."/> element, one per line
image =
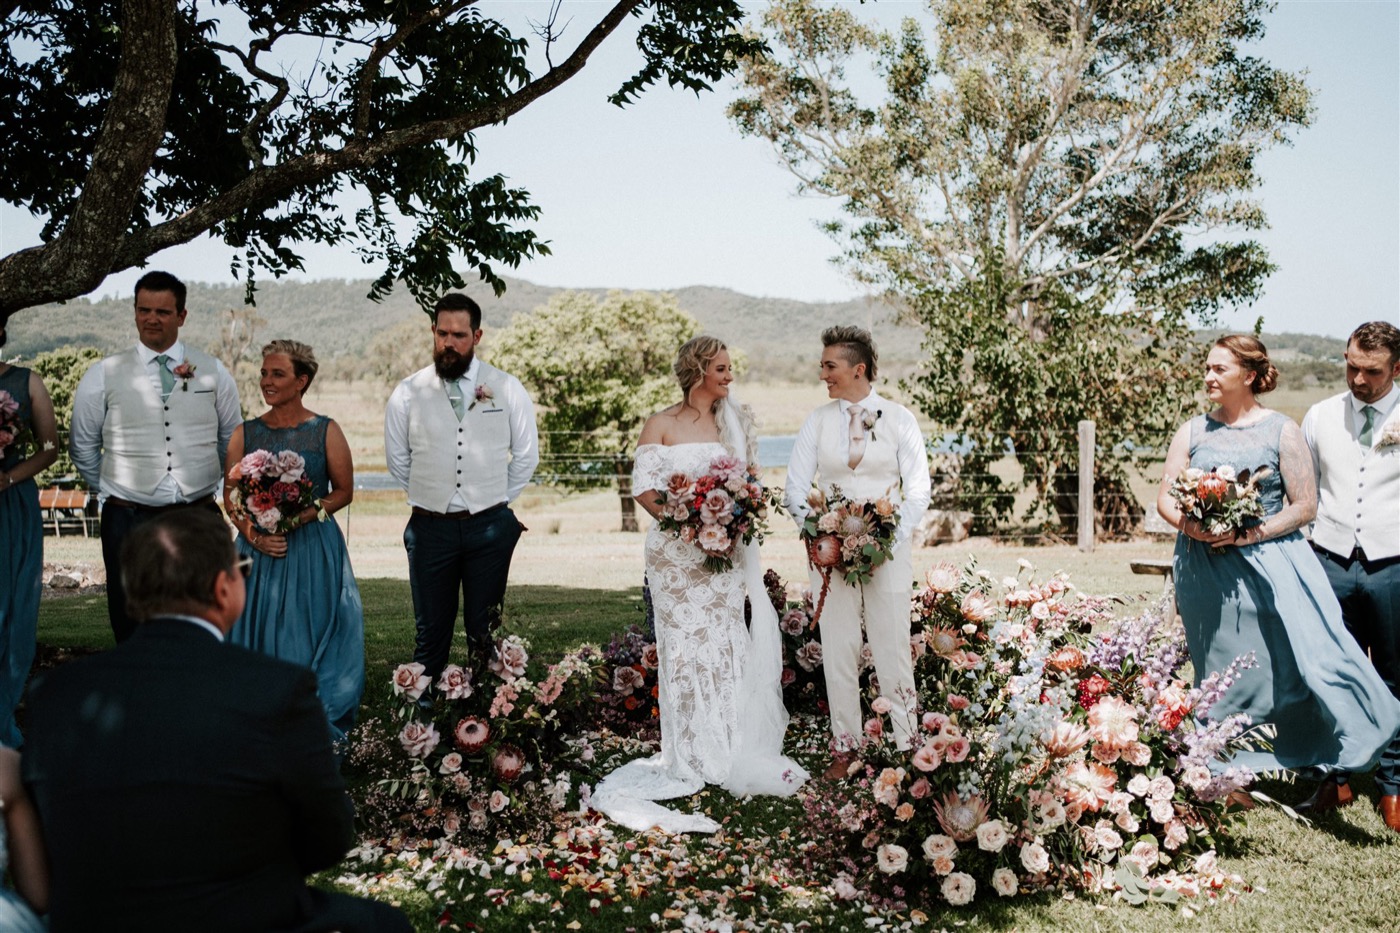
<point x="717" y="511"/>
<point x="11" y="430"/>
<point x="847" y="536"/>
<point x="271" y="489"/>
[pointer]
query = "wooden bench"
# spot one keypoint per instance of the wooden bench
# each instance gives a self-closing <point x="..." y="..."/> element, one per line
<point x="1154" y="524"/>
<point x="65" y="508"/>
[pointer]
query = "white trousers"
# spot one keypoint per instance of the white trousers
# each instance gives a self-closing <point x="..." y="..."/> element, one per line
<point x="883" y="606"/>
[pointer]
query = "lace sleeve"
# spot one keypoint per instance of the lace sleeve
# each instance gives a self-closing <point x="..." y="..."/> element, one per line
<point x="650" y="469"/>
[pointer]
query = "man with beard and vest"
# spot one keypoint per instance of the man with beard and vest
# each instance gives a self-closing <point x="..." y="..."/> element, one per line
<point x="460" y="438"/>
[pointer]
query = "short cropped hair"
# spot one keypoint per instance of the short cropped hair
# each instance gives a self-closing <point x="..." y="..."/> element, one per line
<point x="302" y="356"/>
<point x="1377" y="335"/>
<point x="857" y="346"/>
<point x="162" y="282"/>
<point x="170" y="563"/>
<point x="457" y="301"/>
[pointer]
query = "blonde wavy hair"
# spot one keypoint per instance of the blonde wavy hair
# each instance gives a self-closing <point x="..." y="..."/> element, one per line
<point x="692" y="358"/>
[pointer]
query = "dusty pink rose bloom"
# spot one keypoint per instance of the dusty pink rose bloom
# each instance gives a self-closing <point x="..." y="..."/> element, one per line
<point x="498" y="801"/>
<point x="927" y="758"/>
<point x="809" y="656"/>
<point x="939" y="846"/>
<point x="942" y="865"/>
<point x="793" y="622"/>
<point x="511" y="658"/>
<point x="904" y="812"/>
<point x="651" y="660"/>
<point x="958" y="749"/>
<point x="892" y="858"/>
<point x="958" y="701"/>
<point x="455" y="683"/>
<point x="789" y="676"/>
<point x="418" y="739"/>
<point x="881" y="705"/>
<point x="714" y="539"/>
<point x="627" y="680"/>
<point x="289" y="466"/>
<point x="410" y="681"/>
<point x="920" y="789"/>
<point x="1004" y="882"/>
<point x="959" y="888"/>
<point x="451" y="763"/>
<point x="255" y="464"/>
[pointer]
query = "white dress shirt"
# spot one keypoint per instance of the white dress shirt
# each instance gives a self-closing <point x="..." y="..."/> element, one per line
<point x="524" y="443"/>
<point x="90" y="411"/>
<point x="915" y="486"/>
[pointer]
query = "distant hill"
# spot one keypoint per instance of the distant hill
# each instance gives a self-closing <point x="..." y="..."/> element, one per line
<point x="779" y="336"/>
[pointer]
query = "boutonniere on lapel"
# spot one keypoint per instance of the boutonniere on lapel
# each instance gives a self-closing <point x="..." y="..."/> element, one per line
<point x="184" y="372"/>
<point x="869" y="419"/>
<point x="1390" y="435"/>
<point x="483" y="394"/>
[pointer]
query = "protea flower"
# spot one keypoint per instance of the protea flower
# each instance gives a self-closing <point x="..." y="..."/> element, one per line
<point x="960" y="818"/>
<point x="825" y="551"/>
<point x="472" y="734"/>
<point x="508" y="763"/>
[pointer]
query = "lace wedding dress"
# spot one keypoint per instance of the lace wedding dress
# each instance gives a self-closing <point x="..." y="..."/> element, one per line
<point x="720" y="695"/>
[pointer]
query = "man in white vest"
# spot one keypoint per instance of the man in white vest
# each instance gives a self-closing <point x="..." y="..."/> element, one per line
<point x="869" y="447"/>
<point x="1355" y="442"/>
<point x="460" y="438"/>
<point x="150" y="428"/>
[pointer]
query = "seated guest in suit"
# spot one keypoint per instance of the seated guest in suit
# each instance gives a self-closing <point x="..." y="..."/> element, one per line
<point x="182" y="783"/>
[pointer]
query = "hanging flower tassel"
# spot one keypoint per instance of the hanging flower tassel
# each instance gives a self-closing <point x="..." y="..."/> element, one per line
<point x="824" y="554"/>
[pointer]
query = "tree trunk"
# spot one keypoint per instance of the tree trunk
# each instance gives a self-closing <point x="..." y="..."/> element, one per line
<point x="623" y="466"/>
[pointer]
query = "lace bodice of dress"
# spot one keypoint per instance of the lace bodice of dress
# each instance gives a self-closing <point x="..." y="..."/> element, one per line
<point x="656" y="462"/>
<point x="1250" y="446"/>
<point x="307" y="439"/>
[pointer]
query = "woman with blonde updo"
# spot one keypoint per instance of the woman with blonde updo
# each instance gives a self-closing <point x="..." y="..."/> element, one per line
<point x="721" y="706"/>
<point x="1262" y="591"/>
<point x="303" y="603"/>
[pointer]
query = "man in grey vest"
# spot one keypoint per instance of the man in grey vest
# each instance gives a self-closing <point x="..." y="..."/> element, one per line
<point x="150" y="428"/>
<point x="460" y="438"/>
<point x="1355" y="442"/>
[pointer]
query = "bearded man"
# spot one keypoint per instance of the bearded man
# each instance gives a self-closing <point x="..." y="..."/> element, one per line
<point x="460" y="438"/>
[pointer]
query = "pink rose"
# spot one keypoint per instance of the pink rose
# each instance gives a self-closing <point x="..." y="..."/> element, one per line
<point x="418" y="739"/>
<point x="926" y="758"/>
<point x="455" y="683"/>
<point x="255" y="464"/>
<point x="410" y="681"/>
<point x="651" y="660"/>
<point x="958" y="702"/>
<point x="288" y="466"/>
<point x="809" y="656"/>
<point x="789" y="676"/>
<point x="510" y="659"/>
<point x="920" y="788"/>
<point x="626" y="680"/>
<point x="498" y="801"/>
<point x="792" y="622"/>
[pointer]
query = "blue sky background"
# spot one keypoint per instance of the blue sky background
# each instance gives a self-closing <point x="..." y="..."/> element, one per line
<point x="666" y="194"/>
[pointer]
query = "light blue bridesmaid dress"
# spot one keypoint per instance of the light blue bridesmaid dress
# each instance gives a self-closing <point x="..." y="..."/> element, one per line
<point x="21" y="569"/>
<point x="305" y="607"/>
<point x="1312" y="682"/>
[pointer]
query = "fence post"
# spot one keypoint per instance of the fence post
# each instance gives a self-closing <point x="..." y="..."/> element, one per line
<point x="1086" y="486"/>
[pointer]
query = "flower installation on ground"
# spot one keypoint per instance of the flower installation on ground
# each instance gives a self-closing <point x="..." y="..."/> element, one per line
<point x="1061" y="749"/>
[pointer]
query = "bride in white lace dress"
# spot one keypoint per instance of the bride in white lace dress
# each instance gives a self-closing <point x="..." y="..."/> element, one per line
<point x="722" y="714"/>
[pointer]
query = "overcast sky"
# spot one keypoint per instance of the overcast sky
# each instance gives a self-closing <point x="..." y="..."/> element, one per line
<point x="666" y="194"/>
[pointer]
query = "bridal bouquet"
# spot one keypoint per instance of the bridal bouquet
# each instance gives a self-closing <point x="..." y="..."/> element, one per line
<point x="718" y="511"/>
<point x="1222" y="500"/>
<point x="847" y="536"/>
<point x="271" y="489"/>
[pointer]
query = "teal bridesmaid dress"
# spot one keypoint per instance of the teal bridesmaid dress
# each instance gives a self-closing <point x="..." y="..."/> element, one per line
<point x="1312" y="682"/>
<point x="21" y="568"/>
<point x="305" y="607"/>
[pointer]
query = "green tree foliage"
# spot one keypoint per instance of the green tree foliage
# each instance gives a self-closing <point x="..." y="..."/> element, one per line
<point x="61" y="371"/>
<point x="135" y="125"/>
<point x="1050" y="186"/>
<point x="596" y="369"/>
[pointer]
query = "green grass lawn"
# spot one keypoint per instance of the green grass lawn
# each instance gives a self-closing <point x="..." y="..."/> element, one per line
<point x="1337" y="874"/>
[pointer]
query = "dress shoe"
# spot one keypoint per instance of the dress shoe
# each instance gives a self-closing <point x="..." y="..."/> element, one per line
<point x="1329" y="796"/>
<point x="839" y="768"/>
<point x="1390" y="811"/>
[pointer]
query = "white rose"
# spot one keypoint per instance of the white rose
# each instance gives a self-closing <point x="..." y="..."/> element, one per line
<point x="1034" y="858"/>
<point x="1004" y="882"/>
<point x="991" y="836"/>
<point x="892" y="858"/>
<point x="958" y="888"/>
<point x="939" y="846"/>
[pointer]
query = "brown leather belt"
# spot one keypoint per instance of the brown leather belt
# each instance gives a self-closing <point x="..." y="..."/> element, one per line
<point x="140" y="506"/>
<point x="458" y="516"/>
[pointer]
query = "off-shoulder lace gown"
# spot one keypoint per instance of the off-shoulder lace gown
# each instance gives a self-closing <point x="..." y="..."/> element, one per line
<point x="709" y="711"/>
<point x="1312" y="682"/>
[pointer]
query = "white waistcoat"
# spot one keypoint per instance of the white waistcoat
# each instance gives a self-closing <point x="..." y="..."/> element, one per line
<point x="1358" y="489"/>
<point x="144" y="438"/>
<point x="876" y="475"/>
<point x="449" y="457"/>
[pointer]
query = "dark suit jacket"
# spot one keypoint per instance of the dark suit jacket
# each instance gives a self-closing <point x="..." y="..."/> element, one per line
<point x="183" y="784"/>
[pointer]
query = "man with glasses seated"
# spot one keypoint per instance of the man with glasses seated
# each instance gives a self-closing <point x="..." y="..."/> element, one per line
<point x="182" y="783"/>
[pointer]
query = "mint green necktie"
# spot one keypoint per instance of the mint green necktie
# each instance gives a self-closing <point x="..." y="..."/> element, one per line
<point x="167" y="378"/>
<point x="454" y="395"/>
<point x="1369" y="413"/>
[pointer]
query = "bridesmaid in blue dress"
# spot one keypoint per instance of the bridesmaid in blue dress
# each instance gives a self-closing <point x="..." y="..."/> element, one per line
<point x="1265" y="592"/>
<point x="30" y="452"/>
<point x="303" y="604"/>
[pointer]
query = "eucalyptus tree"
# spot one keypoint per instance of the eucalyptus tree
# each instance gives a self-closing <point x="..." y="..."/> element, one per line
<point x="1059" y="190"/>
<point x="596" y="368"/>
<point x="136" y="125"/>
